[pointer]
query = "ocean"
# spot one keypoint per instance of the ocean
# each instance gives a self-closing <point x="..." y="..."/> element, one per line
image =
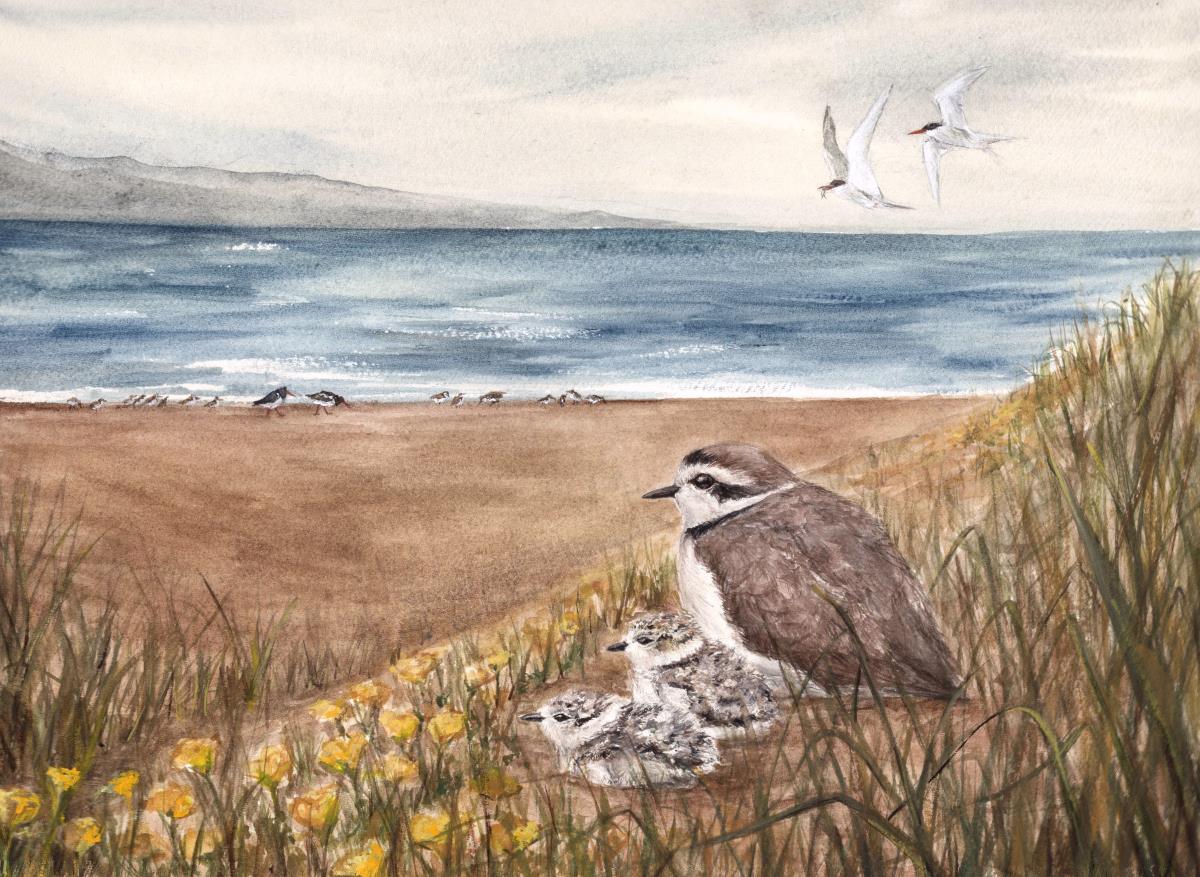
<point x="107" y="310"/>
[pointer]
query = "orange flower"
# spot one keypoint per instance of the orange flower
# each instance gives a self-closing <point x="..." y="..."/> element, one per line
<point x="271" y="765"/>
<point x="415" y="669"/>
<point x="429" y="828"/>
<point x="195" y="755"/>
<point x="569" y="623"/>
<point x="370" y="693"/>
<point x="62" y="779"/>
<point x="399" y="726"/>
<point x="498" y="659"/>
<point x="124" y="783"/>
<point x="80" y="835"/>
<point x="171" y="800"/>
<point x="341" y="754"/>
<point x="18" y="807"/>
<point x="328" y="710"/>
<point x="364" y="862"/>
<point x="495" y="784"/>
<point x="316" y="809"/>
<point x="446" y="726"/>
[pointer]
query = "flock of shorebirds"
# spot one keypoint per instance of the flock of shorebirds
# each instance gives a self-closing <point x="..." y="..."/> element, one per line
<point x="323" y="400"/>
<point x="570" y="397"/>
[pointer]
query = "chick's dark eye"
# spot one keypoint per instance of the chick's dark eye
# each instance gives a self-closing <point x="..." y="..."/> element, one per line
<point x="704" y="481"/>
<point x="644" y="640"/>
<point x="561" y="717"/>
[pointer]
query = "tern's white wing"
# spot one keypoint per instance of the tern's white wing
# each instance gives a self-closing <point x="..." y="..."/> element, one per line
<point x="833" y="153"/>
<point x="950" y="95"/>
<point x="860" y="175"/>
<point x="932" y="151"/>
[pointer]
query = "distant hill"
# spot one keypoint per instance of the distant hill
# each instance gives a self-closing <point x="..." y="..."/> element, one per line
<point x="53" y="185"/>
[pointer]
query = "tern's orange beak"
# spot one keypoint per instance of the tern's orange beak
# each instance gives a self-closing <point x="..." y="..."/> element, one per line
<point x="918" y="131"/>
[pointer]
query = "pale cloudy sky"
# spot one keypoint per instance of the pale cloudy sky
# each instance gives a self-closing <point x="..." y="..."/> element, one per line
<point x="699" y="111"/>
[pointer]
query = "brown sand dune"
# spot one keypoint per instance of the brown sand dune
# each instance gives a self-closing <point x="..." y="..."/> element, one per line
<point x="422" y="521"/>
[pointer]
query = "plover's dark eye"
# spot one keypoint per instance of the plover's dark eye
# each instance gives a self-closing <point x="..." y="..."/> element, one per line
<point x="704" y="481"/>
<point x="645" y="640"/>
<point x="561" y="717"/>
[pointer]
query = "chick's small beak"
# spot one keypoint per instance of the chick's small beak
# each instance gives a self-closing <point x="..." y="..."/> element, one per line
<point x="662" y="492"/>
<point x="618" y="647"/>
<point x="531" y="717"/>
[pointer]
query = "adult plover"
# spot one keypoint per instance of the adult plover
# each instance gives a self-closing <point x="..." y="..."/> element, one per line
<point x="614" y="742"/>
<point x="131" y="399"/>
<point x="162" y="402"/>
<point x="213" y="402"/>
<point x="74" y="402"/>
<point x="673" y="663"/>
<point x="594" y="399"/>
<point x="457" y="401"/>
<point x="763" y="556"/>
<point x="491" y="398"/>
<point x="98" y="404"/>
<point x="273" y="400"/>
<point x="548" y="399"/>
<point x="326" y="399"/>
<point x="439" y="398"/>
<point x="573" y="396"/>
<point x="147" y="400"/>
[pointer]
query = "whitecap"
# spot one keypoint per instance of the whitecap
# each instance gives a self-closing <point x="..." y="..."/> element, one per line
<point x="253" y="247"/>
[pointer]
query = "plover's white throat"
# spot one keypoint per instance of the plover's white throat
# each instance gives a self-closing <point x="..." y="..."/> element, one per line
<point x="614" y="742"/>
<point x="762" y="556"/>
<point x="673" y="663"/>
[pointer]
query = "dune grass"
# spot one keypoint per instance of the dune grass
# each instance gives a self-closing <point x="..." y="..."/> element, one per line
<point x="1057" y="534"/>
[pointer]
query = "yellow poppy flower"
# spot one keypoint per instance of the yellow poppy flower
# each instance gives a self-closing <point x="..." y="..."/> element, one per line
<point x="195" y="755"/>
<point x="316" y="809"/>
<point x="398" y="769"/>
<point x="80" y="835"/>
<point x="171" y="800"/>
<point x="498" y="659"/>
<point x="341" y="754"/>
<point x="124" y="783"/>
<point x="401" y="727"/>
<point x="370" y="693"/>
<point x="524" y="834"/>
<point x="569" y="622"/>
<point x="271" y="765"/>
<point x="62" y="778"/>
<point x="429" y="827"/>
<point x="18" y="807"/>
<point x="446" y="726"/>
<point x="495" y="784"/>
<point x="365" y="862"/>
<point x="415" y="669"/>
<point x="328" y="710"/>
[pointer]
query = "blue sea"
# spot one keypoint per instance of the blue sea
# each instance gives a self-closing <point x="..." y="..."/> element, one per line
<point x="107" y="310"/>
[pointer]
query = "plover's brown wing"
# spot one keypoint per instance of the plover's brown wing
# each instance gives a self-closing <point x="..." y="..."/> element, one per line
<point x="770" y="560"/>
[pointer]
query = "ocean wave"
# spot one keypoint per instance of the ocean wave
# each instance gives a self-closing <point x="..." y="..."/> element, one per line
<point x="494" y="333"/>
<point x="253" y="247"/>
<point x="511" y="315"/>
<point x="685" y="350"/>
<point x="296" y="369"/>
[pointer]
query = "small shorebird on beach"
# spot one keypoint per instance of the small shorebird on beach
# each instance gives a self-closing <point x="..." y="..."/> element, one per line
<point x="273" y="400"/>
<point x="573" y="396"/>
<point x="98" y="404"/>
<point x="213" y="402"/>
<point x="439" y="398"/>
<point x="457" y="401"/>
<point x="162" y="401"/>
<point x="613" y="742"/>
<point x="74" y="403"/>
<point x="326" y="399"/>
<point x="131" y="399"/>
<point x="765" y="556"/>
<point x="594" y="399"/>
<point x="189" y="399"/>
<point x="672" y="663"/>
<point x="548" y="399"/>
<point x="562" y="400"/>
<point x="147" y="400"/>
<point x="952" y="132"/>
<point x="491" y="398"/>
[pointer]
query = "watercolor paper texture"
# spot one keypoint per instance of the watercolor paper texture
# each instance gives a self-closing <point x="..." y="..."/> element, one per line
<point x="543" y="438"/>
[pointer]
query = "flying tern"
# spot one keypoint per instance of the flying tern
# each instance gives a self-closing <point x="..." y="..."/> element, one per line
<point x="853" y="178"/>
<point x="952" y="131"/>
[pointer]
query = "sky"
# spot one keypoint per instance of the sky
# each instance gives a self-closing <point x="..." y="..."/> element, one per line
<point x="700" y="112"/>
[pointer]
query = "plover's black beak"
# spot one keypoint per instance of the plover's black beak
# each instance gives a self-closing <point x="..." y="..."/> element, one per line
<point x="662" y="492"/>
<point x="531" y="717"/>
<point x="618" y="647"/>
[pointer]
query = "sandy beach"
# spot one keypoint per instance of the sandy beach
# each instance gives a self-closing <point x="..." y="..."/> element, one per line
<point x="409" y="521"/>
